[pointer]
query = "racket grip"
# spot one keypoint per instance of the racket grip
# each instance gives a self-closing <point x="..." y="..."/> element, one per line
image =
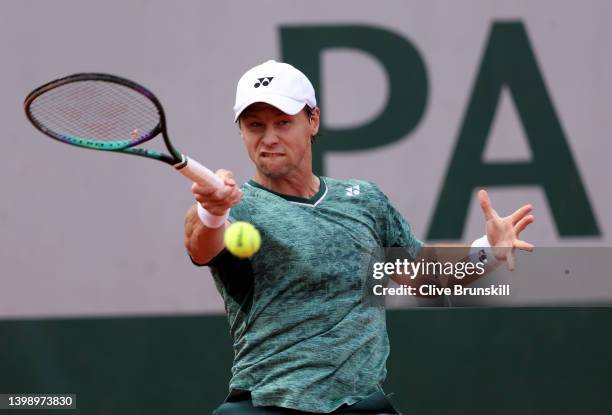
<point x="194" y="171"/>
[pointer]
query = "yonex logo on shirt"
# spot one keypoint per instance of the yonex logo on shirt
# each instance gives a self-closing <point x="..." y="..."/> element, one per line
<point x="352" y="190"/>
<point x="263" y="81"/>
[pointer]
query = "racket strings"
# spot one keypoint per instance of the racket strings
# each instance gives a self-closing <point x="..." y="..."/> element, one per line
<point x="106" y="107"/>
<point x="69" y="117"/>
<point x="96" y="111"/>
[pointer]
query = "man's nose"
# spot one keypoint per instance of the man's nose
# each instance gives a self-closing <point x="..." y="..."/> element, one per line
<point x="269" y="138"/>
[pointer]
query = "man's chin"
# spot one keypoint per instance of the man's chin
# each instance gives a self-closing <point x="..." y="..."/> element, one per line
<point x="273" y="172"/>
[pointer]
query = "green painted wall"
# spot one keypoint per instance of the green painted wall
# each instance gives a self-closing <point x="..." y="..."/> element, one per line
<point x="477" y="361"/>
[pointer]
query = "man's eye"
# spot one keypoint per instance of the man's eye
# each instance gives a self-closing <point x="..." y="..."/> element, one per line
<point x="255" y="124"/>
<point x="283" y="122"/>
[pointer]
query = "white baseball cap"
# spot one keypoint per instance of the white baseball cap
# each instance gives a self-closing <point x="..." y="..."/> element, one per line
<point x="275" y="83"/>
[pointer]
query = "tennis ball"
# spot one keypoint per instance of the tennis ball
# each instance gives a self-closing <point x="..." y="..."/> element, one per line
<point x="242" y="239"/>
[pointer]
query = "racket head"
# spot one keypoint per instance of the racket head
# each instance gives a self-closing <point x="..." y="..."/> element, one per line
<point x="96" y="110"/>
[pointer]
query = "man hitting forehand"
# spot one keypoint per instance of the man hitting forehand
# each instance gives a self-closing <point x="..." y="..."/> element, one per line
<point x="304" y="340"/>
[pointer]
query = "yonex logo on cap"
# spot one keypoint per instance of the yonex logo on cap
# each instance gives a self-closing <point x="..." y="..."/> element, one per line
<point x="263" y="81"/>
<point x="290" y="93"/>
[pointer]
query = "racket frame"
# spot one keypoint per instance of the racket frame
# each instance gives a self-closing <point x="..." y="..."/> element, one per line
<point x="124" y="146"/>
<point x="186" y="166"/>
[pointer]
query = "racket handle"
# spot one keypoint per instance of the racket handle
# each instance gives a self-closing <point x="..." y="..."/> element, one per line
<point x="194" y="171"/>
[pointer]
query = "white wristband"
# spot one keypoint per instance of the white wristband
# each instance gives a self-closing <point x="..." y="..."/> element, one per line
<point x="212" y="221"/>
<point x="481" y="249"/>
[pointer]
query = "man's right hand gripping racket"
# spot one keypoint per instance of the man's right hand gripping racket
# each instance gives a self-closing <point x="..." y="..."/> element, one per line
<point x="106" y="112"/>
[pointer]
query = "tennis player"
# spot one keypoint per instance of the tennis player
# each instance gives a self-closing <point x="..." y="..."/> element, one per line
<point x="305" y="341"/>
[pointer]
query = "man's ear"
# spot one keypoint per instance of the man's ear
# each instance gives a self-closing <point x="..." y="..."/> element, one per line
<point x="315" y="121"/>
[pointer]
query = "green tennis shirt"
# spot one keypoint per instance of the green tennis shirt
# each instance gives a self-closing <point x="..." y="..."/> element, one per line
<point x="304" y="336"/>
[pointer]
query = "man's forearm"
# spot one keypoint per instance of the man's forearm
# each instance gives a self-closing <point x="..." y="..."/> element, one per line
<point x="438" y="257"/>
<point x="202" y="243"/>
<point x="455" y="254"/>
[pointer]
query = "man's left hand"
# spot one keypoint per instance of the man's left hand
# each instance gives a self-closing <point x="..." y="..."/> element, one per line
<point x="503" y="233"/>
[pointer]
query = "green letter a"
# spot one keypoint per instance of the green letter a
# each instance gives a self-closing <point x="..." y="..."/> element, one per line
<point x="509" y="61"/>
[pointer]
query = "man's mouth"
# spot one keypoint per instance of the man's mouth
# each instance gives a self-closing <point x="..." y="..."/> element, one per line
<point x="265" y="154"/>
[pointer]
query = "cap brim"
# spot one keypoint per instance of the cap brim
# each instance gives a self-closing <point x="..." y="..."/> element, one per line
<point x="287" y="105"/>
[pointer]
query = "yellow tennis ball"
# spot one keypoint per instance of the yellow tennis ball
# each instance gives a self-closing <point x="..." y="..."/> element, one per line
<point x="242" y="239"/>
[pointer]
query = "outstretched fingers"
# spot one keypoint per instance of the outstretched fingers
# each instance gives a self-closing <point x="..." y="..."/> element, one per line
<point x="520" y="213"/>
<point x="510" y="260"/>
<point x="522" y="224"/>
<point x="485" y="205"/>
<point x="524" y="246"/>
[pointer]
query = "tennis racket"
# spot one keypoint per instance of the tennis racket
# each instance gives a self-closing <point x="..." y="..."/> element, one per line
<point x="105" y="112"/>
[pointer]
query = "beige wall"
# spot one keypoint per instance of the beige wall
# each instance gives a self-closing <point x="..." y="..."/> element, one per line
<point x="85" y="233"/>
